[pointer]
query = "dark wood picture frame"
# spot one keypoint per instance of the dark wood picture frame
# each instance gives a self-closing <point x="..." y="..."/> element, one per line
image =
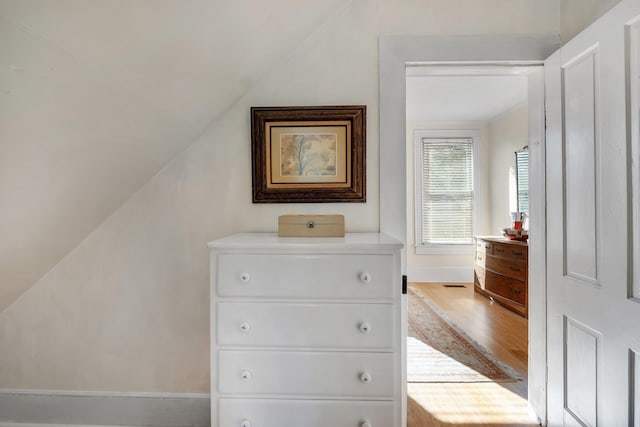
<point x="309" y="154"/>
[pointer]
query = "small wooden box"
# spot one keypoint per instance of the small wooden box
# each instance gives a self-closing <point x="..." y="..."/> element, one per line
<point x="311" y="226"/>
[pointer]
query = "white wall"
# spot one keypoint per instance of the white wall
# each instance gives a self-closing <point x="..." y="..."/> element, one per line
<point x="508" y="133"/>
<point x="95" y="98"/>
<point x="446" y="268"/>
<point x="127" y="310"/>
<point x="500" y="138"/>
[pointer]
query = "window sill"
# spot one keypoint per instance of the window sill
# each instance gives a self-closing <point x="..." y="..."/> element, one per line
<point x="466" y="249"/>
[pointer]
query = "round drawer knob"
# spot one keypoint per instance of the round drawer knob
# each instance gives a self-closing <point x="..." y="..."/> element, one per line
<point x="365" y="377"/>
<point x="245" y="375"/>
<point x="365" y="328"/>
<point x="245" y="423"/>
<point x="365" y="277"/>
<point x="245" y="277"/>
<point x="365" y="424"/>
<point x="245" y="327"/>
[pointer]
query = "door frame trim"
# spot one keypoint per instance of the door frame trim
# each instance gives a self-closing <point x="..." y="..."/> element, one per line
<point x="395" y="52"/>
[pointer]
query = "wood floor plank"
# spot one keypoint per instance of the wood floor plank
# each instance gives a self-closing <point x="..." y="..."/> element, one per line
<point x="500" y="331"/>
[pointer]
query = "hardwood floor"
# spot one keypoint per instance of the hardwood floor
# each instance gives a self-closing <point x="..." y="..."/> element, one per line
<point x="500" y="331"/>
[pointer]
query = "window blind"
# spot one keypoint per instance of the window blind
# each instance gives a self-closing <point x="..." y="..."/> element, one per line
<point x="522" y="180"/>
<point x="447" y="191"/>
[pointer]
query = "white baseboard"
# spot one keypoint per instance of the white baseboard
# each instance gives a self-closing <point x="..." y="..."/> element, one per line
<point x="53" y="425"/>
<point x="440" y="274"/>
<point x="39" y="408"/>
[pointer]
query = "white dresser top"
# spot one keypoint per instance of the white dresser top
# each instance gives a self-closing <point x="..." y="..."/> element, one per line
<point x="271" y="240"/>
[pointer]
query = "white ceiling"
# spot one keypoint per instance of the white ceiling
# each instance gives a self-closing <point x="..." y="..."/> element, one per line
<point x="439" y="98"/>
<point x="96" y="96"/>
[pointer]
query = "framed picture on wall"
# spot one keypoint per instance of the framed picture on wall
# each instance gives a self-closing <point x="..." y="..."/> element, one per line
<point x="308" y="154"/>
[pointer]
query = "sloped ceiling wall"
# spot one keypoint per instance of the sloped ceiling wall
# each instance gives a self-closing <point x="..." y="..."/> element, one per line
<point x="96" y="96"/>
<point x="576" y="15"/>
<point x="128" y="308"/>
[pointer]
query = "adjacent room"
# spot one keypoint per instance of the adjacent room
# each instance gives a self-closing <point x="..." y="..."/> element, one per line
<point x="467" y="158"/>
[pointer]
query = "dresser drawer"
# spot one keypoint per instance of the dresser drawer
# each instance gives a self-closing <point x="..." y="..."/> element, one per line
<point x="481" y="259"/>
<point x="484" y="246"/>
<point x="306" y="276"/>
<point x="305" y="325"/>
<point x="479" y="276"/>
<point x="512" y="289"/>
<point x="304" y="413"/>
<point x="515" y="269"/>
<point x="306" y="373"/>
<point x="510" y="251"/>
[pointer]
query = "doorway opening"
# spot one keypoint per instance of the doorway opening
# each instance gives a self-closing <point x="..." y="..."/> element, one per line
<point x="465" y="124"/>
<point x="395" y="52"/>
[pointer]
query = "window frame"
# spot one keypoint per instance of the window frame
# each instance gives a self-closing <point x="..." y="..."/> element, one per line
<point x="440" y="248"/>
<point x="525" y="149"/>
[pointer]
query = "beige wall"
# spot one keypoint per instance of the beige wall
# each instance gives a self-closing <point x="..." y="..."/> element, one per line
<point x="576" y="15"/>
<point x="508" y="132"/>
<point x="95" y="98"/>
<point x="128" y="309"/>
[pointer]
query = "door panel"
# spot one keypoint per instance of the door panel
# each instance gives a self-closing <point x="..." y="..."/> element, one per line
<point x="581" y="371"/>
<point x="633" y="117"/>
<point x="634" y="366"/>
<point x="592" y="160"/>
<point x="580" y="105"/>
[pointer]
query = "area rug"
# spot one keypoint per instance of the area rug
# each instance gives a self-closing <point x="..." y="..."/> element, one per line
<point x="439" y="351"/>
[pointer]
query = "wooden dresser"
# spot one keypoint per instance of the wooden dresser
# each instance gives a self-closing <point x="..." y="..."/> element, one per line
<point x="306" y="331"/>
<point x="501" y="272"/>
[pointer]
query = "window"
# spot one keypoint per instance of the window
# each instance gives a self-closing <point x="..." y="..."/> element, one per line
<point x="445" y="191"/>
<point x="522" y="179"/>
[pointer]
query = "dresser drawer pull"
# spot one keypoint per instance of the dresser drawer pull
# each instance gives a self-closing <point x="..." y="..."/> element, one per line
<point x="311" y="224"/>
<point x="245" y="327"/>
<point x="512" y="268"/>
<point x="365" y="277"/>
<point x="517" y="253"/>
<point x="365" y="377"/>
<point x="365" y="328"/>
<point x="499" y="250"/>
<point x="245" y="423"/>
<point x="480" y="257"/>
<point x="365" y="424"/>
<point x="516" y="291"/>
<point x="245" y="277"/>
<point x="245" y="375"/>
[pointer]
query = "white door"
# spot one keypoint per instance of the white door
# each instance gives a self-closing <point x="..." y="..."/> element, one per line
<point x="593" y="314"/>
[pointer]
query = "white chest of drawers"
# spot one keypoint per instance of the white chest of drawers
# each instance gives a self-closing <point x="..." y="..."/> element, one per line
<point x="306" y="332"/>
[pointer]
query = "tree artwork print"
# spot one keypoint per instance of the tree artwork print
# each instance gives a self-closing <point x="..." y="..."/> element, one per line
<point x="308" y="154"/>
